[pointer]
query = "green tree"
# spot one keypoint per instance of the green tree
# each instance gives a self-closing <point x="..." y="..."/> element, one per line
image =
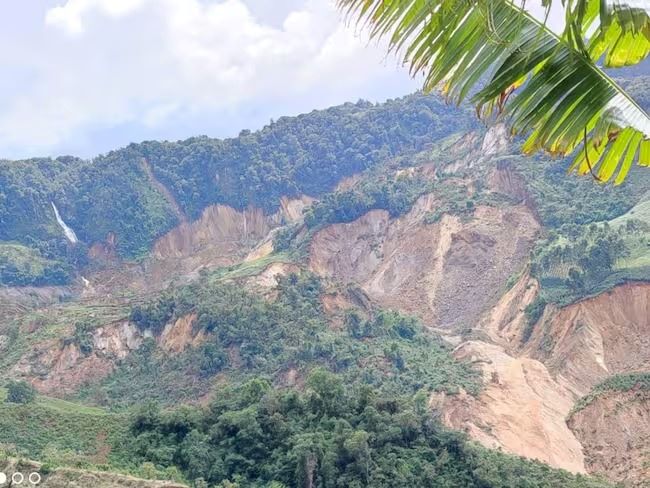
<point x="20" y="392"/>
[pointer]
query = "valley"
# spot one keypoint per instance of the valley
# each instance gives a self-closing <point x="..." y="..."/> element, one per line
<point x="412" y="295"/>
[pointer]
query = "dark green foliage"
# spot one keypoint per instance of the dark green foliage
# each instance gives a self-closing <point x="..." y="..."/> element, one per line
<point x="330" y="435"/>
<point x="283" y="237"/>
<point x="22" y="266"/>
<point x="533" y="312"/>
<point x="269" y="337"/>
<point x="568" y="199"/>
<point x="83" y="337"/>
<point x="307" y="154"/>
<point x="382" y="324"/>
<point x="20" y="392"/>
<point x="579" y="259"/>
<point x="454" y="201"/>
<point x="110" y="194"/>
<point x="154" y="315"/>
<point x="396" y="195"/>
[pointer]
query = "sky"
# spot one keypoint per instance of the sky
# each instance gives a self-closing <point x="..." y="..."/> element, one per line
<point x="82" y="77"/>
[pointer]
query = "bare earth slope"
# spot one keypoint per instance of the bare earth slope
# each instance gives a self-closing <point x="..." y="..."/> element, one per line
<point x="452" y="274"/>
<point x="531" y="388"/>
<point x="447" y="272"/>
<point x="614" y="430"/>
<point x="586" y="342"/>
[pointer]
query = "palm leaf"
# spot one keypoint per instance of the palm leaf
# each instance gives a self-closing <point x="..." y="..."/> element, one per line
<point x="619" y="32"/>
<point x="563" y="100"/>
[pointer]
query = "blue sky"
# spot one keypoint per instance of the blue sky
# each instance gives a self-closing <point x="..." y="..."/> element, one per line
<point x="82" y="77"/>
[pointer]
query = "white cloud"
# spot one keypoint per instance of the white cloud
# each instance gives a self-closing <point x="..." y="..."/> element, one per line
<point x="103" y="63"/>
<point x="70" y="15"/>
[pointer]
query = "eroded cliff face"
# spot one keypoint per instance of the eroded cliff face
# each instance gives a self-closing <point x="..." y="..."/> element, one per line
<point x="453" y="273"/>
<point x="225" y="233"/>
<point x="220" y="231"/>
<point x="180" y="334"/>
<point x="614" y="430"/>
<point x="506" y="322"/>
<point x="586" y="342"/>
<point x="222" y="236"/>
<point x="531" y="387"/>
<point x="56" y="367"/>
<point x="448" y="273"/>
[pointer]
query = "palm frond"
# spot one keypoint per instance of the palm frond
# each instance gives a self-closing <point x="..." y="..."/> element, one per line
<point x="563" y="100"/>
<point x="618" y="32"/>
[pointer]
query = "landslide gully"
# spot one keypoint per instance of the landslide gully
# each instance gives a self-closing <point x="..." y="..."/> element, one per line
<point x="452" y="274"/>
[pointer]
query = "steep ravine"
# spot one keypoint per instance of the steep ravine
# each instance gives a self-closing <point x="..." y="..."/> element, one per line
<point x="452" y="273"/>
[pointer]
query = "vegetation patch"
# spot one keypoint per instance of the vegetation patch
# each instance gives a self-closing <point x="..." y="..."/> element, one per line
<point x="247" y="335"/>
<point x="59" y="432"/>
<point x="619" y="382"/>
<point x="114" y="194"/>
<point x="396" y="195"/>
<point x="533" y="313"/>
<point x="24" y="266"/>
<point x="332" y="434"/>
<point x="584" y="260"/>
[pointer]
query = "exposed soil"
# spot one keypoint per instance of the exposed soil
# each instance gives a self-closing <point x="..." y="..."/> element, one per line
<point x="614" y="430"/>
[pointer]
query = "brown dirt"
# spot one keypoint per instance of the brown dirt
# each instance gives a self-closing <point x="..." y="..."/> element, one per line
<point x="57" y="369"/>
<point x="268" y="278"/>
<point x="530" y="388"/>
<point x="447" y="273"/>
<point x="521" y="409"/>
<point x="222" y="236"/>
<point x="180" y="334"/>
<point x="614" y="431"/>
<point x="586" y="342"/>
<point x="220" y="231"/>
<point x="291" y="208"/>
<point x="506" y="321"/>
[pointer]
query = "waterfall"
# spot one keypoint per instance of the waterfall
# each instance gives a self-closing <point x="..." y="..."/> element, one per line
<point x="69" y="233"/>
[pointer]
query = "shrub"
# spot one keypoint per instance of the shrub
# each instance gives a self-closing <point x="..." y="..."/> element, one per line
<point x="533" y="313"/>
<point x="20" y="392"/>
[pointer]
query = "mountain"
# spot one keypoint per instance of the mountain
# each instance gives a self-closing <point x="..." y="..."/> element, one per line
<point x="370" y="295"/>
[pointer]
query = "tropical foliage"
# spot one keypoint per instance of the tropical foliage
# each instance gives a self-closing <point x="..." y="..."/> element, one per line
<point x="581" y="260"/>
<point x="20" y="392"/>
<point x="329" y="435"/>
<point x="548" y="87"/>
<point x="246" y="335"/>
<point x="21" y="265"/>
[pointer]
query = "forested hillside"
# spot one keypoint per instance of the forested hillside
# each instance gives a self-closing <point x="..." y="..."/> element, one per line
<point x="357" y="413"/>
<point x="115" y="193"/>
<point x="278" y="340"/>
<point x="138" y="193"/>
